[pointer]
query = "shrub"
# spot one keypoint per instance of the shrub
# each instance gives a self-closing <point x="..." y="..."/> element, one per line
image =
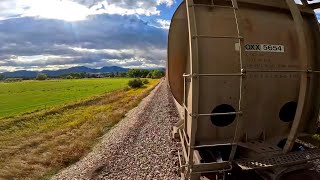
<point x="41" y="77"/>
<point x="135" y="83"/>
<point x="145" y="81"/>
<point x="9" y="80"/>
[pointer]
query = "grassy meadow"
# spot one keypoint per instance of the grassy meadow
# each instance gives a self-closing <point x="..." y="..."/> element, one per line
<point x="26" y="96"/>
<point x="37" y="145"/>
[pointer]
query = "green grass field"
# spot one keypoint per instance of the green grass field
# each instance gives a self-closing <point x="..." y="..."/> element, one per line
<point x="26" y="96"/>
<point x="37" y="145"/>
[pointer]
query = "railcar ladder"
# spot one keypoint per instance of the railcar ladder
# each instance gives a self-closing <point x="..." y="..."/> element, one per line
<point x="194" y="75"/>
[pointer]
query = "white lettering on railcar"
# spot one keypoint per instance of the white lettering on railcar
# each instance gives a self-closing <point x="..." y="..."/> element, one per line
<point x="264" y="48"/>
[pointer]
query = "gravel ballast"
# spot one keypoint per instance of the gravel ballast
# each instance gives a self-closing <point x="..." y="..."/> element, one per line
<point x="138" y="147"/>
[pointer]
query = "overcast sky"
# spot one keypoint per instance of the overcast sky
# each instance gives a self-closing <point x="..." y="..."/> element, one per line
<point x="54" y="34"/>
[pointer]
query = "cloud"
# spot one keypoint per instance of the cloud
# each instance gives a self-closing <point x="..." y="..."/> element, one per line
<point x="50" y="34"/>
<point x="49" y="9"/>
<point x="127" y="7"/>
<point x="98" y="32"/>
<point x="148" y="57"/>
<point x="127" y="4"/>
<point x="114" y="8"/>
<point x="75" y="10"/>
<point x="166" y="2"/>
<point x="164" y="24"/>
<point x="46" y="43"/>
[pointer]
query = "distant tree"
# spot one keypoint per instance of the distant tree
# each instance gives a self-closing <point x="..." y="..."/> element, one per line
<point x="2" y="77"/>
<point x="83" y="75"/>
<point x="123" y="74"/>
<point x="156" y="74"/>
<point x="139" y="73"/>
<point x="112" y="75"/>
<point x="41" y="77"/>
<point x="69" y="77"/>
<point x="149" y="75"/>
<point x="135" y="73"/>
<point x="76" y="75"/>
<point x="132" y="73"/>
<point x="80" y="75"/>
<point x="144" y="73"/>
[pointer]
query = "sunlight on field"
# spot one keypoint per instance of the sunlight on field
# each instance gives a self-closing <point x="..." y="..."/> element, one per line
<point x="38" y="145"/>
<point x="20" y="97"/>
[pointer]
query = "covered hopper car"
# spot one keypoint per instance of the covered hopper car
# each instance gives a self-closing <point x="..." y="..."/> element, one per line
<point x="246" y="78"/>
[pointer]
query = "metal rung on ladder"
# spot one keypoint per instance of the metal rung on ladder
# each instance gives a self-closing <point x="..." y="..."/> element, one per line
<point x="213" y="145"/>
<point x="208" y="167"/>
<point x="213" y="114"/>
<point x="217" y="37"/>
<point x="212" y="5"/>
<point x="244" y="71"/>
<point x="282" y="71"/>
<point x="199" y="75"/>
<point x="220" y="114"/>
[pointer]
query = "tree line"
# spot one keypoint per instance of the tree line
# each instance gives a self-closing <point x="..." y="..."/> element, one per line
<point x="144" y="73"/>
<point x="132" y="73"/>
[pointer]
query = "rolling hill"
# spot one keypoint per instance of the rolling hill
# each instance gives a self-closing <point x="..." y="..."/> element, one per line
<point x="56" y="73"/>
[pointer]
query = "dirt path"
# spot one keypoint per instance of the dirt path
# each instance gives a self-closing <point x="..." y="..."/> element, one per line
<point x="139" y="147"/>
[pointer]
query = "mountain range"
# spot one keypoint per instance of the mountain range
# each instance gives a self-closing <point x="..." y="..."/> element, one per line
<point x="56" y="73"/>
